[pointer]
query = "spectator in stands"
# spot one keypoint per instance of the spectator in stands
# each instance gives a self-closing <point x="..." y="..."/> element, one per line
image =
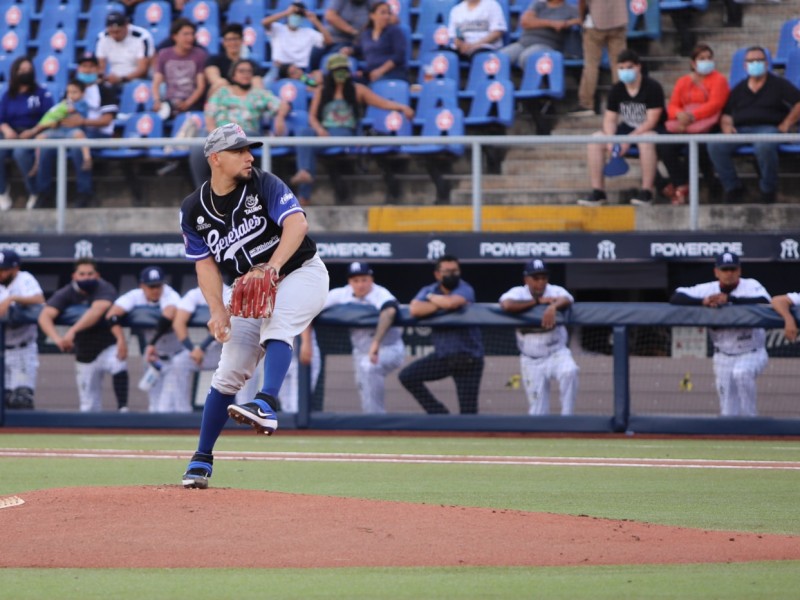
<point x="476" y="25"/>
<point x="345" y="19"/>
<point x="761" y="103"/>
<point x="545" y="24"/>
<point x="783" y="306"/>
<point x="218" y="66"/>
<point x="544" y="355"/>
<point x="98" y="123"/>
<point x="97" y="349"/>
<point x="311" y="80"/>
<point x="635" y="107"/>
<point x="180" y="67"/>
<point x="605" y="24"/>
<point x="195" y="357"/>
<point x="243" y="103"/>
<point x="379" y="350"/>
<point x="382" y="46"/>
<point x="21" y="107"/>
<point x="19" y="289"/>
<point x="695" y="107"/>
<point x="124" y="52"/>
<point x="293" y="43"/>
<point x="162" y="343"/>
<point x="739" y="353"/>
<point x="335" y="111"/>
<point x="457" y="351"/>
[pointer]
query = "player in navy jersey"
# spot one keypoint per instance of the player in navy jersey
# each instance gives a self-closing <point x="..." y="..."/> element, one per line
<point x="240" y="218"/>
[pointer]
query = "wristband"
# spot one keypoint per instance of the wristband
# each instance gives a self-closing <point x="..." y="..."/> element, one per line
<point x="187" y="343"/>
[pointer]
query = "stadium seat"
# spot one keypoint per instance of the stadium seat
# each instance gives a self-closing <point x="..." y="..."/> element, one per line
<point x="96" y="23"/>
<point x="402" y="10"/>
<point x="207" y="36"/>
<point x="543" y="76"/>
<point x="257" y="43"/>
<point x="737" y="66"/>
<point x="433" y="11"/>
<point x="493" y="104"/>
<point x="396" y="90"/>
<point x="387" y="123"/>
<point x="295" y="123"/>
<point x="485" y="66"/>
<point x="155" y="16"/>
<point x="435" y="94"/>
<point x="136" y="97"/>
<point x="13" y="42"/>
<point x="201" y="12"/>
<point x="292" y="91"/>
<point x="52" y="72"/>
<point x="65" y="12"/>
<point x="440" y="64"/>
<point x="246" y="12"/>
<point x="644" y="19"/>
<point x="433" y="37"/>
<point x="57" y="37"/>
<point x="792" y="71"/>
<point x="669" y="5"/>
<point x="439" y="123"/>
<point x="176" y="150"/>
<point x="16" y="17"/>
<point x="789" y="39"/>
<point x="140" y="126"/>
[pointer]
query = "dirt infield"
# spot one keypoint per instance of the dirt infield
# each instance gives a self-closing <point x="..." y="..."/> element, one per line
<point x="169" y="527"/>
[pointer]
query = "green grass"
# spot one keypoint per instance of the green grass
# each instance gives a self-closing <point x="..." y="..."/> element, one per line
<point x="742" y="500"/>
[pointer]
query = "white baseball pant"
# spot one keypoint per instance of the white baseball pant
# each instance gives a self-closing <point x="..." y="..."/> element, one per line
<point x="89" y="377"/>
<point x="371" y="378"/>
<point x="736" y="381"/>
<point x="536" y="376"/>
<point x="22" y="365"/>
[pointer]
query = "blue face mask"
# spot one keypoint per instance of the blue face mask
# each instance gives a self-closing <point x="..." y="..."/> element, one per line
<point x="87" y="78"/>
<point x="294" y="21"/>
<point x="626" y="75"/>
<point x="756" y="69"/>
<point x="704" y="67"/>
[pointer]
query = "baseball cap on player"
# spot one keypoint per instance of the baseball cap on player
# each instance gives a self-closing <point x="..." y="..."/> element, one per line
<point x="8" y="259"/>
<point x="116" y="18"/>
<point x="727" y="260"/>
<point x="152" y="276"/>
<point x="228" y="137"/>
<point x="358" y="268"/>
<point x="535" y="266"/>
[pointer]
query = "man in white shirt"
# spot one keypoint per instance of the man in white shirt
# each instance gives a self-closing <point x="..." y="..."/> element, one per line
<point x="376" y="351"/>
<point x="124" y="51"/>
<point x="19" y="288"/>
<point x="739" y="353"/>
<point x="544" y="354"/>
<point x="292" y="42"/>
<point x="476" y="25"/>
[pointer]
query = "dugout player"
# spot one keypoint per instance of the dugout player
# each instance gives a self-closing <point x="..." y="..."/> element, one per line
<point x="783" y="306"/>
<point x="376" y="351"/>
<point x="243" y="224"/>
<point x="19" y="288"/>
<point x="739" y="353"/>
<point x="153" y="291"/>
<point x="544" y="355"/>
<point x="96" y="347"/>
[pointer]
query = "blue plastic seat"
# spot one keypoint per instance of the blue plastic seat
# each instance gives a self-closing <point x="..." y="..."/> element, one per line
<point x="439" y="123"/>
<point x="136" y="97"/>
<point x="57" y="37"/>
<point x="255" y="39"/>
<point x="396" y="90"/>
<point x="493" y="104"/>
<point x="738" y="72"/>
<point x="668" y="5"/>
<point x="402" y="10"/>
<point x="176" y="150"/>
<point x="388" y="123"/>
<point x="201" y="12"/>
<point x="433" y="12"/>
<point x="59" y="11"/>
<point x="246" y="12"/>
<point x="485" y="66"/>
<point x="435" y="94"/>
<point x="13" y="41"/>
<point x="644" y="19"/>
<point x="441" y="64"/>
<point x="207" y="35"/>
<point x="792" y="71"/>
<point x="296" y="121"/>
<point x="140" y="126"/>
<point x="96" y="23"/>
<point x="16" y="17"/>
<point x="543" y="76"/>
<point x="433" y="37"/>
<point x="788" y="40"/>
<point x="292" y="91"/>
<point x="52" y="72"/>
<point x="155" y="16"/>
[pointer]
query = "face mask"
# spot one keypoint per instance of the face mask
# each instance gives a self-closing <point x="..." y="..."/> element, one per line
<point x="704" y="67"/>
<point x="87" y="78"/>
<point x="756" y="69"/>
<point x="626" y="75"/>
<point x="450" y="282"/>
<point x="341" y="75"/>
<point x="294" y="21"/>
<point x="26" y="78"/>
<point x="87" y="286"/>
<point x="7" y="281"/>
<point x="244" y="86"/>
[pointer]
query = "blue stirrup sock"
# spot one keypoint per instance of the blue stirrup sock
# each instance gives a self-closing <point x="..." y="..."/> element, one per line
<point x="215" y="415"/>
<point x="277" y="358"/>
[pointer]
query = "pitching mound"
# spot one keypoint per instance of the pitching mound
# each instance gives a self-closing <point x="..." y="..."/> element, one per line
<point x="168" y="526"/>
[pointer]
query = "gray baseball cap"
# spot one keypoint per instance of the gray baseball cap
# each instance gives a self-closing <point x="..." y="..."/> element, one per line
<point x="228" y="137"/>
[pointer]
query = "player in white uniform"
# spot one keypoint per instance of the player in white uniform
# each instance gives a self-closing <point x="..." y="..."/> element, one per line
<point x="163" y="344"/>
<point x="22" y="356"/>
<point x="543" y="350"/>
<point x="739" y="353"/>
<point x="376" y="351"/>
<point x="783" y="306"/>
<point x="308" y="354"/>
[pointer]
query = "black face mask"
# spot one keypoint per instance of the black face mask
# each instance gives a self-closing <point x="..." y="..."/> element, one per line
<point x="244" y="86"/>
<point x="26" y="78"/>
<point x="450" y="282"/>
<point x="7" y="281"/>
<point x="87" y="286"/>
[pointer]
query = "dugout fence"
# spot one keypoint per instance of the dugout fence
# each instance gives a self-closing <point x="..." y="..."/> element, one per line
<point x="644" y="367"/>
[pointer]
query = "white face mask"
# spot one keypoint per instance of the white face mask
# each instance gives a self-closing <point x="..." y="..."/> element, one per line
<point x="704" y="67"/>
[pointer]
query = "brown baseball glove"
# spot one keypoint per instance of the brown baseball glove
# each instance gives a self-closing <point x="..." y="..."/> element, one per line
<point x="253" y="295"/>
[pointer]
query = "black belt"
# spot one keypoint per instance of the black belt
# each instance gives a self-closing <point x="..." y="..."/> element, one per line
<point x="22" y="345"/>
<point x="740" y="354"/>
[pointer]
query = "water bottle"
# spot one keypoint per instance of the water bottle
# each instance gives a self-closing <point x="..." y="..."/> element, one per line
<point x="150" y="377"/>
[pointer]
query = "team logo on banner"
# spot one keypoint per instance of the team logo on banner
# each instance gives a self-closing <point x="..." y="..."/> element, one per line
<point x="789" y="249"/>
<point x="606" y="250"/>
<point x="436" y="249"/>
<point x="83" y="249"/>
